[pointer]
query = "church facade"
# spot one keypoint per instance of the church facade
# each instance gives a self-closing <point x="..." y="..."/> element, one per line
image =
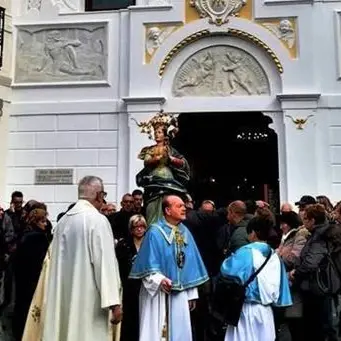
<point x="5" y="84"/>
<point x="82" y="79"/>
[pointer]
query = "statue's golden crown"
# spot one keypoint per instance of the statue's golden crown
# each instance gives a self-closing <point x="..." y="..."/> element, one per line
<point x="167" y="120"/>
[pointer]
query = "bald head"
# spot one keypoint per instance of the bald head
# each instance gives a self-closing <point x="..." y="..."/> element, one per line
<point x="236" y="211"/>
<point x="168" y="200"/>
<point x="238" y="207"/>
<point x="207" y="206"/>
<point x="173" y="209"/>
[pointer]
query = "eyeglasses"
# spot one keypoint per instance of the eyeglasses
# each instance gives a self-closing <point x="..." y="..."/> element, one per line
<point x="103" y="194"/>
<point x="128" y="201"/>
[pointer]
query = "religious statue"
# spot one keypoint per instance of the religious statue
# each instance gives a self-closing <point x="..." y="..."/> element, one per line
<point x="165" y="170"/>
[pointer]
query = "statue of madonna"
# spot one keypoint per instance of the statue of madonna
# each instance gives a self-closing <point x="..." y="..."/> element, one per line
<point x="165" y="170"/>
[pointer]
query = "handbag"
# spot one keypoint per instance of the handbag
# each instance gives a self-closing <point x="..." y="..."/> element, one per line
<point x="326" y="279"/>
<point x="229" y="298"/>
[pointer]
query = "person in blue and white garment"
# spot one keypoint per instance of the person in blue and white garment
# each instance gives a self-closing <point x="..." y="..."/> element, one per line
<point x="171" y="269"/>
<point x="270" y="288"/>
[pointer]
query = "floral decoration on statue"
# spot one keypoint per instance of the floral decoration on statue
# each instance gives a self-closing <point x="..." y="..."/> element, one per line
<point x="160" y="119"/>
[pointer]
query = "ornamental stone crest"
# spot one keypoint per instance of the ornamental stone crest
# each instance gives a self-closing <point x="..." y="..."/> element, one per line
<point x="218" y="11"/>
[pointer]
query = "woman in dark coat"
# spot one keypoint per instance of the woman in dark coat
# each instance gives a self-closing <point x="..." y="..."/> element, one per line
<point x="28" y="262"/>
<point x="126" y="251"/>
<point x="317" y="307"/>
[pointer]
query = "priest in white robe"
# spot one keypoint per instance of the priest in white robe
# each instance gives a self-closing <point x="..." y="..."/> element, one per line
<point x="83" y="286"/>
<point x="171" y="269"/>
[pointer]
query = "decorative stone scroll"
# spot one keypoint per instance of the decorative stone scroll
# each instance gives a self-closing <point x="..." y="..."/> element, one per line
<point x="221" y="71"/>
<point x="62" y="5"/>
<point x="34" y="5"/>
<point x="61" y="54"/>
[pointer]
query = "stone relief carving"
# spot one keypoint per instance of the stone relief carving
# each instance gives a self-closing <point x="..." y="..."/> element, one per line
<point x="156" y="36"/>
<point x="221" y="71"/>
<point x="283" y="31"/>
<point x="218" y="11"/>
<point x="62" y="5"/>
<point x="57" y="54"/>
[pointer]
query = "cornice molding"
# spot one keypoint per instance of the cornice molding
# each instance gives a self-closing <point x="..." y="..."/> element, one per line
<point x="144" y="104"/>
<point x="299" y="100"/>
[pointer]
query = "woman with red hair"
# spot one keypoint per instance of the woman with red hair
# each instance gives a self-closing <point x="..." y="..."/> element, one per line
<point x="28" y="262"/>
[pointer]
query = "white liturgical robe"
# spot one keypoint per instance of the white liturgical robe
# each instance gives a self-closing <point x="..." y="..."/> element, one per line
<point x="83" y="278"/>
<point x="153" y="311"/>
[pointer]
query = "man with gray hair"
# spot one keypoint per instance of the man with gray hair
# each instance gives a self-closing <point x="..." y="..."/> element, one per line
<point x="84" y="285"/>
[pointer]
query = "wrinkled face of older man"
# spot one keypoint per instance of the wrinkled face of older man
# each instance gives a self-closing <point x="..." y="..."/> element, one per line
<point x="127" y="203"/>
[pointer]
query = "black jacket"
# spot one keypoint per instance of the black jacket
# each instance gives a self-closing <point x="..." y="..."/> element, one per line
<point x="119" y="223"/>
<point x="204" y="227"/>
<point x="311" y="256"/>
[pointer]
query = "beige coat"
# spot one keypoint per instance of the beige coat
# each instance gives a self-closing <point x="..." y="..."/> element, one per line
<point x="292" y="245"/>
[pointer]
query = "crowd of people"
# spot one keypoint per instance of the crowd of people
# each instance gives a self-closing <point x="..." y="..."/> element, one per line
<point x="165" y="280"/>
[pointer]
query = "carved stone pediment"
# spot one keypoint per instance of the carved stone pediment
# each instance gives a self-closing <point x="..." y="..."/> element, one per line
<point x="58" y="53"/>
<point x="218" y="11"/>
<point x="221" y="71"/>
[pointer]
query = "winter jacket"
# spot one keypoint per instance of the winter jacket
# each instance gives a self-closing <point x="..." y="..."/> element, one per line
<point x="292" y="245"/>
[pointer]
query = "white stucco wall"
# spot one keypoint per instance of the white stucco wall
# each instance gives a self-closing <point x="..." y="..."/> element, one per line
<point x="88" y="143"/>
<point x="54" y="125"/>
<point x="5" y="94"/>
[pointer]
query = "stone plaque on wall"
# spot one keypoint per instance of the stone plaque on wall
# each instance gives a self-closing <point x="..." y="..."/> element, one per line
<point x="60" y="53"/>
<point x="54" y="176"/>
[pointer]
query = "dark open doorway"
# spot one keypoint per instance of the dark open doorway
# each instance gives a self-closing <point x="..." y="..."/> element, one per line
<point x="232" y="156"/>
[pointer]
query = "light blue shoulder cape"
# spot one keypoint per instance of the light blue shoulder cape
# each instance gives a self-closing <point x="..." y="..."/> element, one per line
<point x="158" y="254"/>
<point x="239" y="266"/>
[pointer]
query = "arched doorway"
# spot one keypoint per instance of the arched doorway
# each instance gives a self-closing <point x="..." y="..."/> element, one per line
<point x="232" y="156"/>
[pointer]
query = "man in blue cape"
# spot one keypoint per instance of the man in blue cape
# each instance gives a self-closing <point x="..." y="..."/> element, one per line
<point x="171" y="269"/>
